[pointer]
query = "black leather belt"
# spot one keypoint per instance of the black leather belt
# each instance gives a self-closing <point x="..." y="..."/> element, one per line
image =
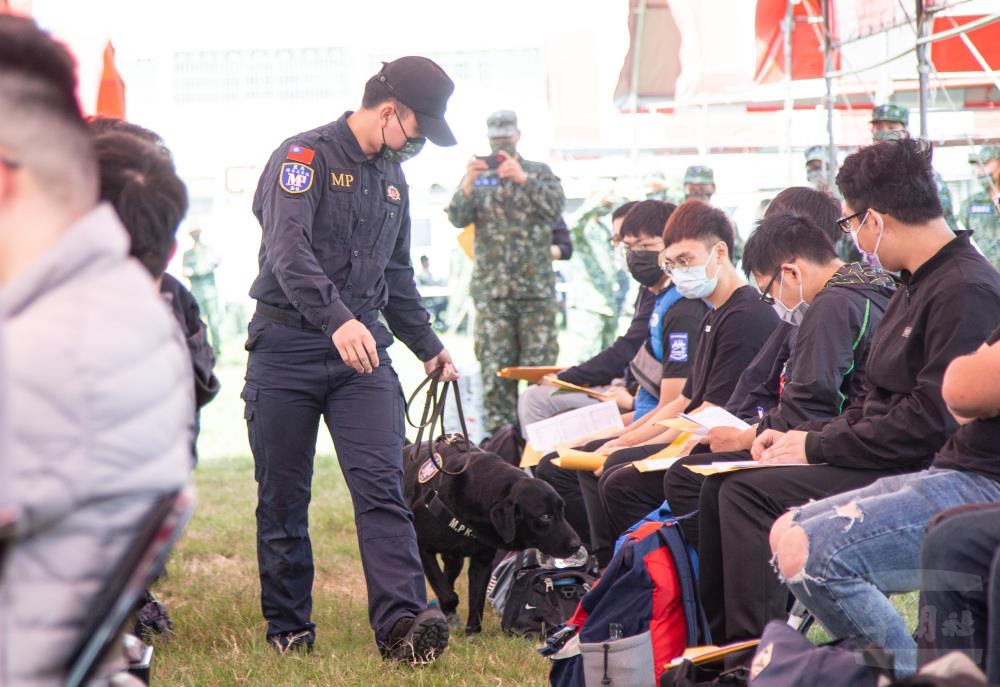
<point x="292" y="318"/>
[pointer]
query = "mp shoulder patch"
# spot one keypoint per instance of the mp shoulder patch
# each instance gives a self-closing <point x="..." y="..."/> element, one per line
<point x="678" y="348"/>
<point x="428" y="470"/>
<point x="295" y="178"/>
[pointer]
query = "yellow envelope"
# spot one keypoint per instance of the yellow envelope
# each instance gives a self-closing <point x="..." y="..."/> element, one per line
<point x="705" y="654"/>
<point x="601" y="396"/>
<point x="663" y="459"/>
<point x="681" y="424"/>
<point x="532" y="375"/>
<point x="573" y="459"/>
<point x="467" y="240"/>
<point x="530" y="457"/>
<point x="717" y="468"/>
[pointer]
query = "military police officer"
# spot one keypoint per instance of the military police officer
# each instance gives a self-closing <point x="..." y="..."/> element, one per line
<point x="335" y="212"/>
<point x="513" y="202"/>
<point x="890" y="121"/>
<point x="981" y="211"/>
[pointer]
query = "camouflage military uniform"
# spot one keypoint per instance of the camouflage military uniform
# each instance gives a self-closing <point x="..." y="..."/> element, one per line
<point x="592" y="293"/>
<point x="199" y="268"/>
<point x="981" y="214"/>
<point x="513" y="285"/>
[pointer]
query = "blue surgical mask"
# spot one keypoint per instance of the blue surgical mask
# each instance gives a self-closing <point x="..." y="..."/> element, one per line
<point x="694" y="282"/>
<point x="792" y="316"/>
<point x="870" y="258"/>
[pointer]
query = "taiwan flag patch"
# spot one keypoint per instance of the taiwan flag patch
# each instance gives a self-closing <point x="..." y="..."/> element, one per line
<point x="301" y="154"/>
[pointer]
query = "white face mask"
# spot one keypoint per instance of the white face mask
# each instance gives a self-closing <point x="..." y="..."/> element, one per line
<point x="795" y="315"/>
<point x="870" y="258"/>
<point x="694" y="282"/>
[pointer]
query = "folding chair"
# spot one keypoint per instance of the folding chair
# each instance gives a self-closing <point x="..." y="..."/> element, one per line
<point x="135" y="571"/>
<point x="799" y="618"/>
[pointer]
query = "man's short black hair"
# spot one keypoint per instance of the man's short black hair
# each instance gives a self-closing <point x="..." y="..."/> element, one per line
<point x="376" y="93"/>
<point x="697" y="220"/>
<point x="28" y="51"/>
<point x="782" y="237"/>
<point x="647" y="218"/>
<point x="819" y="206"/>
<point x="141" y="184"/>
<point x="101" y="124"/>
<point x="623" y="209"/>
<point x="894" y="177"/>
<point x="41" y="126"/>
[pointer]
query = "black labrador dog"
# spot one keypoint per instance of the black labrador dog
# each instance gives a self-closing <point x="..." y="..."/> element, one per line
<point x="491" y="505"/>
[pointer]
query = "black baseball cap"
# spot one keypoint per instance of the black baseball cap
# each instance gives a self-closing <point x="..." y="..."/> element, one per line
<point x="421" y="85"/>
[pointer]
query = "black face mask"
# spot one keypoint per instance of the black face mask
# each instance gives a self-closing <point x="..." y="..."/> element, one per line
<point x="644" y="266"/>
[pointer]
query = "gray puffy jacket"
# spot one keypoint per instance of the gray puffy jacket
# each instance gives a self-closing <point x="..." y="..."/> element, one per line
<point x="100" y="409"/>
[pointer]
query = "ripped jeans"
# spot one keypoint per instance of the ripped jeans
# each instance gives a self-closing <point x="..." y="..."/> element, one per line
<point x="865" y="544"/>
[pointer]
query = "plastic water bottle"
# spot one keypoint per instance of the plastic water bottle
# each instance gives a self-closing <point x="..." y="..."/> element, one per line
<point x="577" y="560"/>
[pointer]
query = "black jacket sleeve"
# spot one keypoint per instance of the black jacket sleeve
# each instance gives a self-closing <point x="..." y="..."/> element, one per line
<point x="561" y="238"/>
<point x="286" y="220"/>
<point x="918" y="424"/>
<point x="188" y="316"/>
<point x="405" y="312"/>
<point x="824" y="356"/>
<point x="758" y="385"/>
<point x="612" y="361"/>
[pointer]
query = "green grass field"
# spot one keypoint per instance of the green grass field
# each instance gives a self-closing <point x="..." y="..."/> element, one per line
<point x="212" y="588"/>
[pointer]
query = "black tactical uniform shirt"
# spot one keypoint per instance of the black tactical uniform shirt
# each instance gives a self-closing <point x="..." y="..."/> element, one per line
<point x="336" y="237"/>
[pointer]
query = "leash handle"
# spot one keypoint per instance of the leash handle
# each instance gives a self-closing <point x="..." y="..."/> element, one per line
<point x="433" y="414"/>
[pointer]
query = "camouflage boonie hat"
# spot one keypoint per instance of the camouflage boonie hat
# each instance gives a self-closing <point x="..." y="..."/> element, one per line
<point x="501" y="124"/>
<point x="891" y="113"/>
<point x="699" y="174"/>
<point x="815" y="153"/>
<point x="990" y="151"/>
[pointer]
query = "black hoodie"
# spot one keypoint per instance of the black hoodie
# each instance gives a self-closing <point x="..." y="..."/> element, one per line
<point x="826" y="369"/>
<point x="945" y="309"/>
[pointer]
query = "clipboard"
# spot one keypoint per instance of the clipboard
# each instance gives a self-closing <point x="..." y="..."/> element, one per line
<point x="532" y="375"/>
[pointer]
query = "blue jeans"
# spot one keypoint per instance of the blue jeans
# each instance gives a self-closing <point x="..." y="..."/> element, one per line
<point x="865" y="544"/>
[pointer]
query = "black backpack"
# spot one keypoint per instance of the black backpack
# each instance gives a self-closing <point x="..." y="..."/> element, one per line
<point x="542" y="599"/>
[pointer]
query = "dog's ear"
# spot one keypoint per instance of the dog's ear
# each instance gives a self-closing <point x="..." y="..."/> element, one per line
<point x="503" y="517"/>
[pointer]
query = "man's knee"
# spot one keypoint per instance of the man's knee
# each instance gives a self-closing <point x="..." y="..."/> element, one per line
<point x="534" y="404"/>
<point x="791" y="553"/>
<point x="778" y="529"/>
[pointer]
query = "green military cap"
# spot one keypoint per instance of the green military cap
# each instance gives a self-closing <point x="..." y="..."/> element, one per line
<point x="501" y="124"/>
<point x="814" y="153"/>
<point x="699" y="174"/>
<point x="890" y="112"/>
<point x="990" y="151"/>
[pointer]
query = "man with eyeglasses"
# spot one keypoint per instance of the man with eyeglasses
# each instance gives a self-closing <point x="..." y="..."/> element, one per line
<point x="660" y="366"/>
<point x="947" y="305"/>
<point x="334" y="209"/>
<point x="834" y="309"/>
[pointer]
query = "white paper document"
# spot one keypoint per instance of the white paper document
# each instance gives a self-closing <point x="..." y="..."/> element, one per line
<point x="712" y="417"/>
<point x="544" y="435"/>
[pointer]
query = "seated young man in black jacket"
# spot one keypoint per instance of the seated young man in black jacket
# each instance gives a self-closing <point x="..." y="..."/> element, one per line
<point x="698" y="239"/>
<point x="663" y="360"/>
<point x="948" y="304"/>
<point x="539" y="401"/>
<point x="834" y="309"/>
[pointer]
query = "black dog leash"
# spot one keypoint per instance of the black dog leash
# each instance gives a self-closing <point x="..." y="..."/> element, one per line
<point x="433" y="414"/>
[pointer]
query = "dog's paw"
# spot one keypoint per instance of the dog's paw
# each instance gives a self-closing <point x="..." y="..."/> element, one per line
<point x="454" y="619"/>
